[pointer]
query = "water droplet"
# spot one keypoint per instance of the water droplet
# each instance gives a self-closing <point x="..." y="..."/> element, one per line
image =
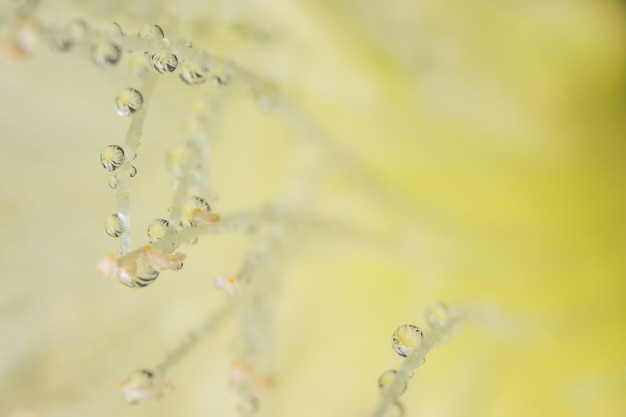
<point x="193" y="74"/>
<point x="128" y="102"/>
<point x="143" y="384"/>
<point x="61" y="43"/>
<point x="139" y="65"/>
<point x="151" y="31"/>
<point x="196" y="202"/>
<point x="247" y="406"/>
<point x="385" y="381"/>
<point x="113" y="182"/>
<point x="200" y="203"/>
<point x="164" y="62"/>
<point x="406" y="339"/>
<point x="112" y="157"/>
<point x="158" y="229"/>
<point x="114" y="225"/>
<point x="132" y="171"/>
<point x="105" y="54"/>
<point x="221" y="80"/>
<point x="78" y="28"/>
<point x="111" y="28"/>
<point x="395" y="409"/>
<point x="436" y="314"/>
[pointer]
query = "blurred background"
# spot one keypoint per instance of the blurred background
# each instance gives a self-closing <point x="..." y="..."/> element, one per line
<point x="465" y="152"/>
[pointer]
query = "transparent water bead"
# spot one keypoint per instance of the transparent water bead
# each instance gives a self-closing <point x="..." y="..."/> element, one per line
<point x="111" y="28"/>
<point x="105" y="54"/>
<point x="113" y="183"/>
<point x="143" y="384"/>
<point x="132" y="171"/>
<point x="141" y="275"/>
<point x="112" y="157"/>
<point x="128" y="102"/>
<point x="406" y="339"/>
<point x="151" y="31"/>
<point x="114" y="225"/>
<point x="385" y="381"/>
<point x="164" y="62"/>
<point x="158" y="229"/>
<point x="437" y="314"/>
<point x="247" y="406"/>
<point x="193" y="74"/>
<point x="395" y="409"/>
<point x="139" y="66"/>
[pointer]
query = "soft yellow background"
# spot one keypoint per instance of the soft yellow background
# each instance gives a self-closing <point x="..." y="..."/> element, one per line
<point x="469" y="152"/>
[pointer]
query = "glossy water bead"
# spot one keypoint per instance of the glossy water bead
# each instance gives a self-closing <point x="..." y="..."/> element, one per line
<point x="164" y="62"/>
<point x="143" y="384"/>
<point x="437" y="314"/>
<point x="112" y="157"/>
<point x="193" y="74"/>
<point x="406" y="339"/>
<point x="395" y="409"/>
<point x="128" y="102"/>
<point x="158" y="229"/>
<point x="114" y="225"/>
<point x="386" y="379"/>
<point x="105" y="54"/>
<point x="151" y="31"/>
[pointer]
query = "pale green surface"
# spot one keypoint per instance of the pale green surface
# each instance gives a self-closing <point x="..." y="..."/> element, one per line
<point x="478" y="157"/>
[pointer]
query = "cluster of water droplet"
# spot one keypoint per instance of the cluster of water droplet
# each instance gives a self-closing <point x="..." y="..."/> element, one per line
<point x="406" y="341"/>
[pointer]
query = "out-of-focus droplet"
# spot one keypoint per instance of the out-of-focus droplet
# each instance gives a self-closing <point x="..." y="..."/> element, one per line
<point x="193" y="74"/>
<point x="113" y="183"/>
<point x="247" y="406"/>
<point x="128" y="102"/>
<point x="143" y="384"/>
<point x="105" y="54"/>
<point x="139" y="66"/>
<point x="385" y="381"/>
<point x="436" y="315"/>
<point x="132" y="171"/>
<point x="112" y="157"/>
<point x="164" y="62"/>
<point x="395" y="409"/>
<point x="114" y="225"/>
<point x="151" y="31"/>
<point x="406" y="339"/>
<point x="111" y="28"/>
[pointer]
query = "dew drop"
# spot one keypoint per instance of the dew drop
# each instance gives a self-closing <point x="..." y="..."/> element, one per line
<point x="164" y="62"/>
<point x="111" y="28"/>
<point x="395" y="409"/>
<point x="193" y="74"/>
<point x="113" y="183"/>
<point x="132" y="171"/>
<point x="139" y="66"/>
<point x="114" y="225"/>
<point x="385" y="381"/>
<point x="112" y="157"/>
<point x="151" y="31"/>
<point x="221" y="80"/>
<point x="105" y="54"/>
<point x="78" y="28"/>
<point x="143" y="384"/>
<point x="128" y="102"/>
<point x="158" y="229"/>
<point x="406" y="339"/>
<point x="200" y="203"/>
<point x="247" y="406"/>
<point x="436" y="315"/>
